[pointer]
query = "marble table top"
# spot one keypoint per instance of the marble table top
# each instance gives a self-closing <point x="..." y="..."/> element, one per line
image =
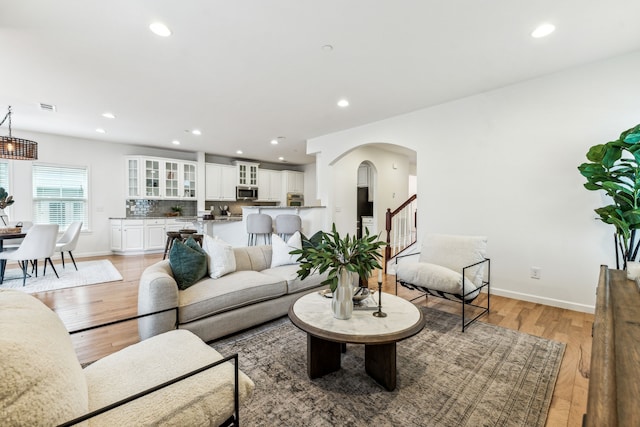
<point x="312" y="313"/>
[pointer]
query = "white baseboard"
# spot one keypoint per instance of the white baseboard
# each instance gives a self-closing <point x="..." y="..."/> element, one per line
<point x="546" y="301"/>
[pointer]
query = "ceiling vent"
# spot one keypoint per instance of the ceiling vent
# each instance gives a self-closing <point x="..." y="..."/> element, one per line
<point x="48" y="107"/>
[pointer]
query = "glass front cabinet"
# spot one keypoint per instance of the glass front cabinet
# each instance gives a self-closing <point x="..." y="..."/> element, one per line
<point x="154" y="178"/>
<point x="247" y="174"/>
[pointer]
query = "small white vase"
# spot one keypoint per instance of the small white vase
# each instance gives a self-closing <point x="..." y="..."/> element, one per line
<point x="342" y="302"/>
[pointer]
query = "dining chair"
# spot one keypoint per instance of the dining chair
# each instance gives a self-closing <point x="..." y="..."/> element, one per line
<point x="69" y="241"/>
<point x="15" y="243"/>
<point x="39" y="243"/>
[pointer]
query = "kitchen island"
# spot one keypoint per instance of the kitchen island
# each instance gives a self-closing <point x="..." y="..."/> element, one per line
<point x="136" y="235"/>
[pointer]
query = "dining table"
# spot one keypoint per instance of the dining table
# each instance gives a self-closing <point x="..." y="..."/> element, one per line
<point x="7" y="236"/>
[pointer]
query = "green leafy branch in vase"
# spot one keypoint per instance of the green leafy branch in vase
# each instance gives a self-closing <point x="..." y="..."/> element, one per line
<point x="327" y="251"/>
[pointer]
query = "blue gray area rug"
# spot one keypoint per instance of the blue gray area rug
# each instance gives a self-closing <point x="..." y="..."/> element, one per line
<point x="487" y="376"/>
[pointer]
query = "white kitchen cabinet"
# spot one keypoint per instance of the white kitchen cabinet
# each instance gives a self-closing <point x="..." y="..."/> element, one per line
<point x="174" y="225"/>
<point x="188" y="180"/>
<point x="157" y="178"/>
<point x="116" y="235"/>
<point x="247" y="174"/>
<point x="134" y="187"/>
<point x="293" y="181"/>
<point x="155" y="235"/>
<point x="270" y="189"/>
<point x="127" y="235"/>
<point x="220" y="182"/>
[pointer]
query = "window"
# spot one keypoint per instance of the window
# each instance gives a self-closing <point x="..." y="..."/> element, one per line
<point x="4" y="175"/>
<point x="60" y="195"/>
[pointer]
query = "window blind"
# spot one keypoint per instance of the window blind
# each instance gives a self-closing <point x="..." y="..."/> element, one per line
<point x="4" y="176"/>
<point x="60" y="195"/>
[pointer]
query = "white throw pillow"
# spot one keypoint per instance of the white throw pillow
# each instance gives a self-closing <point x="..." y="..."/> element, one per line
<point x="435" y="277"/>
<point x="456" y="252"/>
<point x="221" y="257"/>
<point x="281" y="249"/>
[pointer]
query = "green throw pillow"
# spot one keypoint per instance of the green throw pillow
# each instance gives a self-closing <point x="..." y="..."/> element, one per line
<point x="313" y="241"/>
<point x="188" y="262"/>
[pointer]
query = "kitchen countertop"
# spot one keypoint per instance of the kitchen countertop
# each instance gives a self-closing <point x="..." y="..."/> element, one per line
<point x="186" y="218"/>
<point x="282" y="207"/>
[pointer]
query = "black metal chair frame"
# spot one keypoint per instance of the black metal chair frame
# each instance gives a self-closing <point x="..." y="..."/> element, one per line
<point x="233" y="420"/>
<point x="458" y="298"/>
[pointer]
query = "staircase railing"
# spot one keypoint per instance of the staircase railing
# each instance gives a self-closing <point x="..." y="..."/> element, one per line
<point x="401" y="225"/>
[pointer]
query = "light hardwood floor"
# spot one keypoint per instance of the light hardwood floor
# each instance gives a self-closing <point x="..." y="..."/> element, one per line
<point x="89" y="305"/>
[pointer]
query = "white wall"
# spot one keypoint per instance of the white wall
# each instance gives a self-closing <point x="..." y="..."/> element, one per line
<point x="504" y="164"/>
<point x="106" y="181"/>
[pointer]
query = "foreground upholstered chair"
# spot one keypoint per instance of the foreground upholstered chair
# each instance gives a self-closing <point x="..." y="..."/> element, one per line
<point x="43" y="384"/>
<point x="442" y="263"/>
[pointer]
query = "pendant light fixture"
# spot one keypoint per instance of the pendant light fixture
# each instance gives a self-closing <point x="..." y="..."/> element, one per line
<point x="16" y="148"/>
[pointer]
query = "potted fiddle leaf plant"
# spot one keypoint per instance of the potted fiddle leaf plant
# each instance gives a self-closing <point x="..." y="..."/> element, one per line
<point x="614" y="167"/>
<point x="340" y="257"/>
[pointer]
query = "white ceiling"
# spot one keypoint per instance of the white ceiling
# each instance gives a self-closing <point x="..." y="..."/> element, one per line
<point x="247" y="71"/>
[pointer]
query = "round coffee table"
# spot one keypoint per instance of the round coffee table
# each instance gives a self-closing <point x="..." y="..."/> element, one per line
<point x="327" y="335"/>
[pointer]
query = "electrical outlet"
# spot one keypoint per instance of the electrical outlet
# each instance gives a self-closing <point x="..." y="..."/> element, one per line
<point x="535" y="272"/>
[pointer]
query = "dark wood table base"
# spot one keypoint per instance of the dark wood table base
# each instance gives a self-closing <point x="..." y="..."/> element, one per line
<point x="324" y="357"/>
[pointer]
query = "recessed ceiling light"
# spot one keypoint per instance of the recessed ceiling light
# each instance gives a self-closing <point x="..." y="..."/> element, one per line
<point x="175" y="142"/>
<point x="159" y="29"/>
<point x="100" y="130"/>
<point x="327" y="48"/>
<point x="281" y="158"/>
<point x="109" y="115"/>
<point x="343" y="103"/>
<point x="196" y="132"/>
<point x="239" y="152"/>
<point x="543" y="30"/>
<point x="274" y="142"/>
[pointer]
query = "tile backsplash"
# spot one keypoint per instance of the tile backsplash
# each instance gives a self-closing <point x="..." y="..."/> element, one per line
<point x="140" y="208"/>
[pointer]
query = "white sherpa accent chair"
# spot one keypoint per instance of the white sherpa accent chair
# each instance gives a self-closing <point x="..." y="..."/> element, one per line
<point x="43" y="384"/>
<point x="443" y="262"/>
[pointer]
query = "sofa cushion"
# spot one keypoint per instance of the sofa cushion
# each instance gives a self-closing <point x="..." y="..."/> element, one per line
<point x="280" y="249"/>
<point x="41" y="381"/>
<point x="204" y="399"/>
<point x="188" y="262"/>
<point x="255" y="258"/>
<point x="234" y="290"/>
<point x="220" y="255"/>
<point x="289" y="273"/>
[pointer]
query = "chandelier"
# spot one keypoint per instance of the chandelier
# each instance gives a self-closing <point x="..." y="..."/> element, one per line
<point x="16" y="148"/>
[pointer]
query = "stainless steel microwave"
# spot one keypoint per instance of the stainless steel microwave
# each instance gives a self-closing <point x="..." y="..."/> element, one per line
<point x="246" y="193"/>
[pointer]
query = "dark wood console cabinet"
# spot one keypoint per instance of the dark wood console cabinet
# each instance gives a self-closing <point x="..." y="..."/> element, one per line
<point x="614" y="380"/>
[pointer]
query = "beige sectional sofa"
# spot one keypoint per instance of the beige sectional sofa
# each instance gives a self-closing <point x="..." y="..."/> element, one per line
<point x="212" y="308"/>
